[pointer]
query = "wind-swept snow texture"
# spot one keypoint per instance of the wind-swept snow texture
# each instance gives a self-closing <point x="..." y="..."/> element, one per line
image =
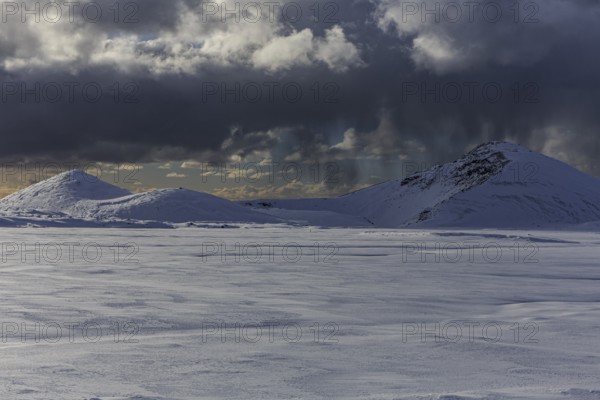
<point x="372" y="320"/>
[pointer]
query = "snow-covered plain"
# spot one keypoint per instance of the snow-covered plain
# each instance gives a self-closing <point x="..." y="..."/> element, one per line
<point x="181" y="305"/>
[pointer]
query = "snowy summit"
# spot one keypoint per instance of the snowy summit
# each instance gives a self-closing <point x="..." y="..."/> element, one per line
<point x="497" y="184"/>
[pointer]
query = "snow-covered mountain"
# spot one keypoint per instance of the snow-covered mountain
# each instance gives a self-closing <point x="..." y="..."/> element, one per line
<point x="497" y="184"/>
<point x="80" y="196"/>
<point x="71" y="193"/>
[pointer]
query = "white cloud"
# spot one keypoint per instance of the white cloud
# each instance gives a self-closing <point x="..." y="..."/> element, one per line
<point x="187" y="47"/>
<point x="469" y="37"/>
<point x="192" y="164"/>
<point x="285" y="52"/>
<point x="337" y="52"/>
<point x="436" y="52"/>
<point x="350" y="141"/>
<point x="302" y="48"/>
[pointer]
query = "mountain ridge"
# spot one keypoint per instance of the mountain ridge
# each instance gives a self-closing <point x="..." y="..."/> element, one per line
<point x="77" y="195"/>
<point x="436" y="197"/>
<point x="496" y="185"/>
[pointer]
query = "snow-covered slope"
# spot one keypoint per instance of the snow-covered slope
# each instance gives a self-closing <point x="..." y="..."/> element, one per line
<point x="70" y="193"/>
<point x="497" y="184"/>
<point x="178" y="206"/>
<point x="77" y="195"/>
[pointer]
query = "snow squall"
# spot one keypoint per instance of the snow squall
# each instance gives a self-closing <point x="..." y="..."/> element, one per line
<point x="497" y="184"/>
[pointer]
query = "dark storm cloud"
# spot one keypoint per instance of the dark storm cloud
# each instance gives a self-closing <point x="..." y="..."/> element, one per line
<point x="397" y="96"/>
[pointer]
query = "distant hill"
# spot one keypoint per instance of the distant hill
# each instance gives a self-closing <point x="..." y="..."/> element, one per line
<point x="80" y="196"/>
<point x="496" y="185"/>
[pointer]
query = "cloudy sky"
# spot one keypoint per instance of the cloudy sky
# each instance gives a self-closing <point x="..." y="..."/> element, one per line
<point x="290" y="98"/>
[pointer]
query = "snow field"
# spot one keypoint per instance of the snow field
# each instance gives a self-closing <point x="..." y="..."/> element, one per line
<point x="388" y="315"/>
